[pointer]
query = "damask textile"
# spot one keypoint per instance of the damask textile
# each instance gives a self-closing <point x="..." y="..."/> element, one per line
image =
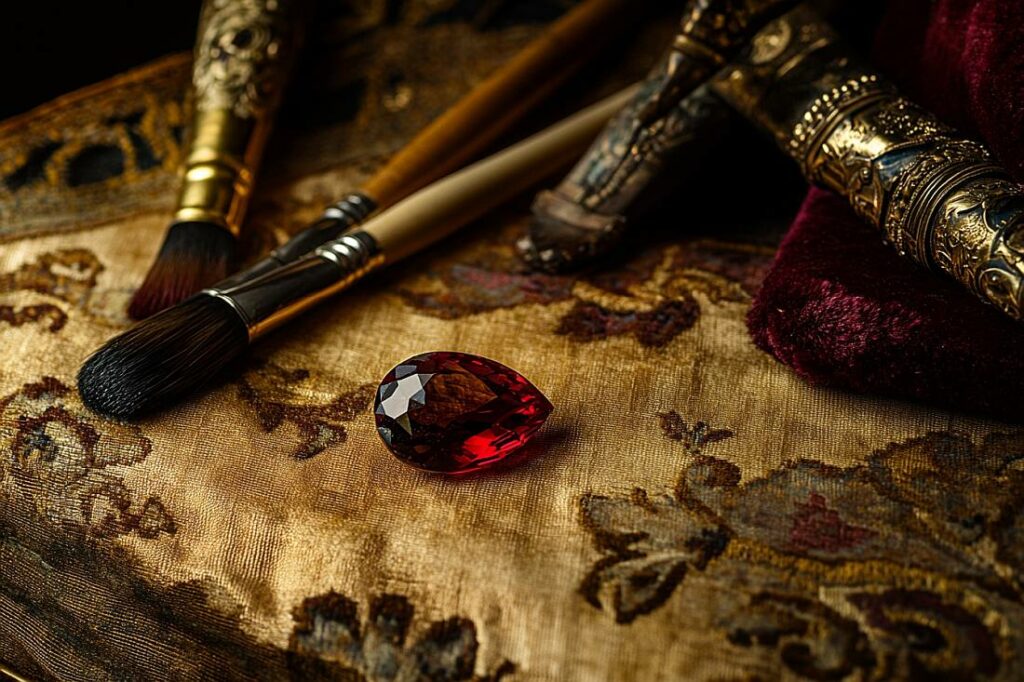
<point x="841" y="308"/>
<point x="692" y="509"/>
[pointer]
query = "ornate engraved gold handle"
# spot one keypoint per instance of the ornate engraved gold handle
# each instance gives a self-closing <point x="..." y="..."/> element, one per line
<point x="939" y="198"/>
<point x="244" y="50"/>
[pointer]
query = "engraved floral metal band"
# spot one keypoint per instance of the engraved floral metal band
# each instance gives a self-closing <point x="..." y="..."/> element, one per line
<point x="829" y="111"/>
<point x="977" y="236"/>
<point x="937" y="197"/>
<point x="862" y="152"/>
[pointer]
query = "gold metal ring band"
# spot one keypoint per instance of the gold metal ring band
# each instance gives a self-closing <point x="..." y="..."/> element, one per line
<point x="921" y="185"/>
<point x="828" y="110"/>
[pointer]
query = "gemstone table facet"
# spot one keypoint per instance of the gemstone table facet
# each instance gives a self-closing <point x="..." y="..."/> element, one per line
<point x="455" y="413"/>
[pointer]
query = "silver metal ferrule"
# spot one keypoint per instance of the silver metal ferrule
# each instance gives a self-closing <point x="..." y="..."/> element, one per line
<point x="354" y="208"/>
<point x="337" y="219"/>
<point x="272" y="299"/>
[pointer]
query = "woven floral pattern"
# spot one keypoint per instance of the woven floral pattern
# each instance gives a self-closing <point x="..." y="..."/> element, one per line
<point x="691" y="510"/>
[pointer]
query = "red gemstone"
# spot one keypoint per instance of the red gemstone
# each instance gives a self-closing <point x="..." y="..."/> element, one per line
<point x="454" y="413"/>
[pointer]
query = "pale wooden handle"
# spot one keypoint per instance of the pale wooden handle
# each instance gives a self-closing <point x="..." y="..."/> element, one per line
<point x="448" y="204"/>
<point x="494" y="106"/>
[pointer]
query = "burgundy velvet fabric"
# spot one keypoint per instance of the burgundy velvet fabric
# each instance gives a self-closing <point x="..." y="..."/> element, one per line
<point x="839" y="306"/>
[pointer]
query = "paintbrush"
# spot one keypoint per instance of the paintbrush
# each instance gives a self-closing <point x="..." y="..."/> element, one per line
<point x="178" y="350"/>
<point x="244" y="51"/>
<point x="465" y="130"/>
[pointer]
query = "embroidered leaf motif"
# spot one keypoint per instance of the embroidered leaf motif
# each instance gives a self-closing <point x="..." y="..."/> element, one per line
<point x="693" y="438"/>
<point x="278" y="395"/>
<point x="67" y="463"/>
<point x="327" y="628"/>
<point x="832" y="572"/>
<point x="648" y="545"/>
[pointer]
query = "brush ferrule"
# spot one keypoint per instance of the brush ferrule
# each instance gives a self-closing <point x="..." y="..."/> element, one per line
<point x="336" y="220"/>
<point x="217" y="178"/>
<point x="354" y="208"/>
<point x="270" y="300"/>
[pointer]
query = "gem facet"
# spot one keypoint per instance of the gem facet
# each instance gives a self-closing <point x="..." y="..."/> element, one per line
<point x="454" y="413"/>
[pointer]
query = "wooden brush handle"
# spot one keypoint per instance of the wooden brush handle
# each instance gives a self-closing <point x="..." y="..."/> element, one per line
<point x="414" y="223"/>
<point x="446" y="205"/>
<point x="494" y="106"/>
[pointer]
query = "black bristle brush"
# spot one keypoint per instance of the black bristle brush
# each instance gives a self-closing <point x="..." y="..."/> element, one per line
<point x="159" y="357"/>
<point x="178" y="350"/>
<point x="244" y="50"/>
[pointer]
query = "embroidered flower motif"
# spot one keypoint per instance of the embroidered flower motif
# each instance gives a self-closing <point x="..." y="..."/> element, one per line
<point x="693" y="438"/>
<point x="907" y="566"/>
<point x="815" y="526"/>
<point x="651" y="297"/>
<point x="67" y="463"/>
<point x="279" y="395"/>
<point x="649" y="546"/>
<point x="327" y="628"/>
<point x="68" y="275"/>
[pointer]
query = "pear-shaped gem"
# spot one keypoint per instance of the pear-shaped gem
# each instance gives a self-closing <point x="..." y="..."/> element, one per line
<point x="454" y="413"/>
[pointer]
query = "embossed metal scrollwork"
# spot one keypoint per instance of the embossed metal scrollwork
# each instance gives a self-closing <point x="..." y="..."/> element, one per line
<point x="938" y="197"/>
<point x="243" y="53"/>
<point x="240" y="54"/>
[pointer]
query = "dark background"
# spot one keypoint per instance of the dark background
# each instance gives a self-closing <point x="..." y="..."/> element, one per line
<point x="50" y="47"/>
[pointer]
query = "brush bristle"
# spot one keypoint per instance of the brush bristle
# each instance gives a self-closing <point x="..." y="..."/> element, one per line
<point x="194" y="255"/>
<point x="163" y="358"/>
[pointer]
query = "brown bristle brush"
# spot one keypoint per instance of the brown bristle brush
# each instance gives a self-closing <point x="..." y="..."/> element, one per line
<point x="244" y="51"/>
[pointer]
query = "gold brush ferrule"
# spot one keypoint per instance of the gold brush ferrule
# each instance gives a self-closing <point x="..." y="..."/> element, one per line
<point x="243" y="53"/>
<point x="937" y="197"/>
<point x="218" y="172"/>
<point x="270" y="300"/>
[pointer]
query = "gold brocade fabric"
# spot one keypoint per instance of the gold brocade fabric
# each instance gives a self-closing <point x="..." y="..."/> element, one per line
<point x="692" y="510"/>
